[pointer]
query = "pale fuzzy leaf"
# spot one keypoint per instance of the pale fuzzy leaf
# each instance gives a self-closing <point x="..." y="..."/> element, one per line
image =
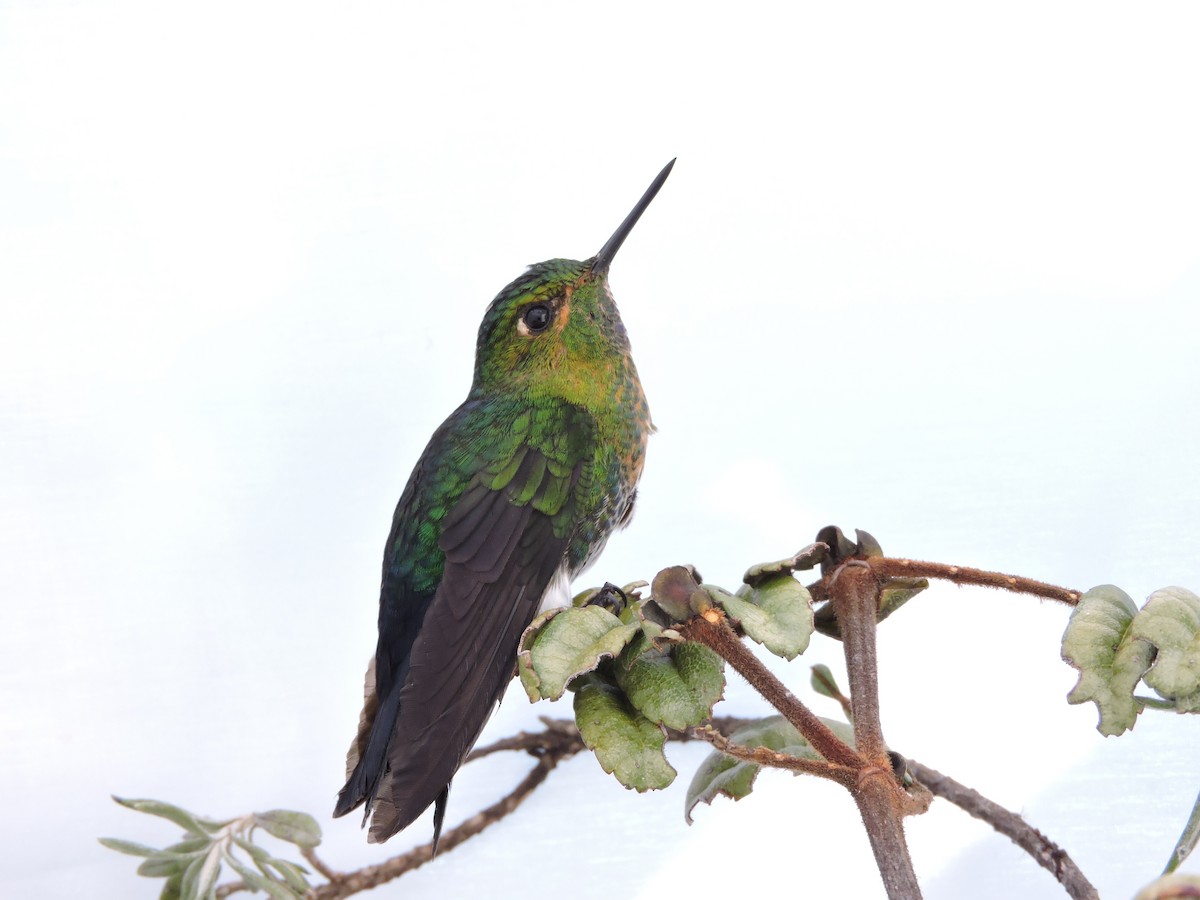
<point x="1170" y="621"/>
<point x="128" y="847"/>
<point x="775" y="612"/>
<point x="200" y="879"/>
<point x="567" y="645"/>
<point x="1110" y="659"/>
<point x="169" y="811"/>
<point x="525" y="671"/>
<point x="164" y="865"/>
<point x="297" y="828"/>
<point x="292" y="874"/>
<point x="259" y="882"/>
<point x="627" y="744"/>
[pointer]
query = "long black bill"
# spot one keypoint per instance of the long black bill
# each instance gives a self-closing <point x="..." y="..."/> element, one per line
<point x="605" y="257"/>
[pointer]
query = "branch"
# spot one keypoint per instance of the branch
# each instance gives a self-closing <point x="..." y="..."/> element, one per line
<point x="765" y="756"/>
<point x="716" y="634"/>
<point x="550" y="747"/>
<point x="882" y="801"/>
<point x="1047" y="853"/>
<point x="898" y="568"/>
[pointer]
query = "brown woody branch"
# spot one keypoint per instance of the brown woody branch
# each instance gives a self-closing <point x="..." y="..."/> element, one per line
<point x="897" y="568"/>
<point x="712" y="629"/>
<point x="1045" y="852"/>
<point x="882" y="801"/>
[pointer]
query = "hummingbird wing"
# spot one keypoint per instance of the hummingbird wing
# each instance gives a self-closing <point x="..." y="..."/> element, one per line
<point x="444" y="658"/>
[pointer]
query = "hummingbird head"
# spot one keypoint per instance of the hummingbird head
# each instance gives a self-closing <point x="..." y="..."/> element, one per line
<point x="555" y="330"/>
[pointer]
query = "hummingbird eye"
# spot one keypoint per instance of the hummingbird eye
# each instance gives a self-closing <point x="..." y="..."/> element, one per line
<point x="536" y="318"/>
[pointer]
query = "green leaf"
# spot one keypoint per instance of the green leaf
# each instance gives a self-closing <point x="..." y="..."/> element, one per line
<point x="824" y="683"/>
<point x="296" y="828"/>
<point x="897" y="591"/>
<point x="627" y="744"/>
<point x="1170" y="621"/>
<point x="166" y="865"/>
<point x="893" y="594"/>
<point x="677" y="686"/>
<point x="172" y="890"/>
<point x="720" y="774"/>
<point x="1187" y="841"/>
<point x="776" y="612"/>
<point x="566" y="645"/>
<point x="200" y="879"/>
<point x="803" y="560"/>
<point x="129" y="847"/>
<point x="180" y="817"/>
<point x="1111" y="660"/>
<point x="292" y="874"/>
<point x="257" y="853"/>
<point x="258" y="882"/>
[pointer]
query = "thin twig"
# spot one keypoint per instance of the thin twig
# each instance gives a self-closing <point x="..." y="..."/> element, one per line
<point x="898" y="568"/>
<point x="765" y="756"/>
<point x="318" y="864"/>
<point x="1048" y="854"/>
<point x="373" y="876"/>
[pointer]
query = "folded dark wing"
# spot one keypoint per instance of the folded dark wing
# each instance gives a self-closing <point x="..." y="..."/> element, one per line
<point x="504" y="542"/>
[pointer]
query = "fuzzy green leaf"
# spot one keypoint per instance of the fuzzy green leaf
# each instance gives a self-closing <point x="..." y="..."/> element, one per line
<point x="1170" y="621"/>
<point x="558" y="648"/>
<point x="677" y="686"/>
<point x="627" y="744"/>
<point x="804" y="559"/>
<point x="260" y="883"/>
<point x="824" y="683"/>
<point x="169" y="811"/>
<point x="725" y="775"/>
<point x="292" y="874"/>
<point x="296" y="828"/>
<point x="776" y="612"/>
<point x="893" y="594"/>
<point x="1111" y="660"/>
<point x="200" y="879"/>
<point x="173" y="889"/>
<point x="129" y="847"/>
<point x="896" y="592"/>
<point x="166" y="865"/>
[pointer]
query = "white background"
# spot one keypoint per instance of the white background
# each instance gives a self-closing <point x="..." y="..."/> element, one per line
<point x="929" y="271"/>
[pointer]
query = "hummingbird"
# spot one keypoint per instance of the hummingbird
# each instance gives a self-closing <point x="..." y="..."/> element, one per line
<point x="516" y="493"/>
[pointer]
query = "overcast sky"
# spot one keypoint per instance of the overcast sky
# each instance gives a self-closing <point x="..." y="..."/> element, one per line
<point x="925" y="270"/>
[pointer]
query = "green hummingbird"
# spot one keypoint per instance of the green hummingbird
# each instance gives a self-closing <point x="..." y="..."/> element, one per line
<point x="516" y="493"/>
